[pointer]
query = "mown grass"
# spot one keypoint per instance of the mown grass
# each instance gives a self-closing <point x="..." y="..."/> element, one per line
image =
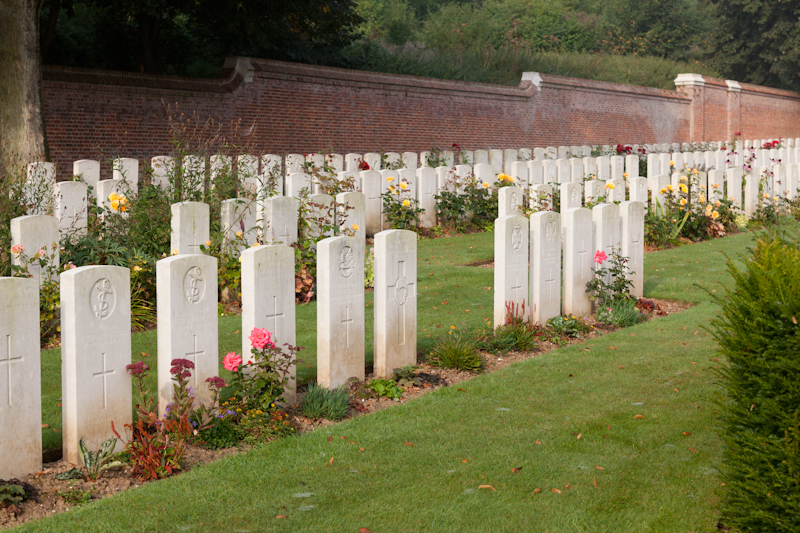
<point x="558" y="417"/>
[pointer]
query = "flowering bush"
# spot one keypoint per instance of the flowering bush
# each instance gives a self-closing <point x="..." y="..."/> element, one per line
<point x="400" y="208"/>
<point x="465" y="202"/>
<point x="610" y="283"/>
<point x="699" y="218"/>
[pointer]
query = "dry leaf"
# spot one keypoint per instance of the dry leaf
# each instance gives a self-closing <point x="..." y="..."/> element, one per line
<point x="515" y="470"/>
<point x="599" y="468"/>
<point x="57" y="430"/>
<point x="687" y="434"/>
<point x="444" y="303"/>
<point x="537" y="491"/>
<point x="694" y="363"/>
<point x="639" y="416"/>
<point x="692" y="450"/>
<point x="465" y="460"/>
<point x="461" y="390"/>
<point x="280" y="515"/>
<point x="595" y="483"/>
<point x="676" y="390"/>
<point x="361" y="449"/>
<point x="486" y="487"/>
<point x="408" y="444"/>
<point x="330" y="438"/>
<point x="621" y="367"/>
<point x="330" y="462"/>
<point x="794" y="320"/>
<point x="343" y="437"/>
<point x="45" y="426"/>
<point x="556" y="491"/>
<point x="235" y="332"/>
<point x="579" y="436"/>
<point x="537" y="442"/>
<point x="364" y="530"/>
<point x="612" y="347"/>
<point x="568" y="485"/>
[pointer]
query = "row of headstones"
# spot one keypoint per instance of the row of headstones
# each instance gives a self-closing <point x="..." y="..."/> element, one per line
<point x="96" y="333"/>
<point x="528" y="257"/>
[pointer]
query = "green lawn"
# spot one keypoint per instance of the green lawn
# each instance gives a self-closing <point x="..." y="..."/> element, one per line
<point x="579" y="402"/>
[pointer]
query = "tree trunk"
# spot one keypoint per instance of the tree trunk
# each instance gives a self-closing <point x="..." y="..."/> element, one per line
<point x="50" y="31"/>
<point x="22" y="132"/>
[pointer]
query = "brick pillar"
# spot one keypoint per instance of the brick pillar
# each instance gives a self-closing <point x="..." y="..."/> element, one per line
<point x="734" y="107"/>
<point x="693" y="86"/>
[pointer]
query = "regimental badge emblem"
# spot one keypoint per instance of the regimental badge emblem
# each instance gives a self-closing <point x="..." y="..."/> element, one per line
<point x="516" y="237"/>
<point x="194" y="285"/>
<point x="550" y="231"/>
<point x="401" y="291"/>
<point x="102" y="299"/>
<point x="347" y="262"/>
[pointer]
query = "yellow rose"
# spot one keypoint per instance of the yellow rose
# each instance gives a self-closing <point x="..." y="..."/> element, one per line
<point x="662" y="191"/>
<point x="137" y="268"/>
<point x="113" y="197"/>
<point x="239" y="234"/>
<point x="624" y="174"/>
<point x="715" y="215"/>
<point x="485" y="185"/>
<point x="702" y="198"/>
<point x="174" y="252"/>
<point x="389" y="179"/>
<point x="670" y="188"/>
<point x="395" y="191"/>
<point x="774" y="198"/>
<point x="672" y="163"/>
<point x="683" y="201"/>
<point x="123" y="208"/>
<point x="510" y="178"/>
<point x="718" y="203"/>
<point x="684" y="178"/>
<point x="355" y="227"/>
<point x="208" y="243"/>
<point x="715" y="185"/>
<point x="683" y="188"/>
<point x="403" y="186"/>
<point x="609" y="185"/>
<point x="766" y="196"/>
<point x="391" y="187"/>
<point x="114" y="205"/>
<point x="406" y="203"/>
<point x="123" y="200"/>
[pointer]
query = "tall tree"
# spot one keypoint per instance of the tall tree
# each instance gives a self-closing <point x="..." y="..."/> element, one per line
<point x="22" y="131"/>
<point x="758" y="41"/>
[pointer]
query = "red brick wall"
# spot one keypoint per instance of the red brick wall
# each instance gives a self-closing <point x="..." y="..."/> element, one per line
<point x="286" y="107"/>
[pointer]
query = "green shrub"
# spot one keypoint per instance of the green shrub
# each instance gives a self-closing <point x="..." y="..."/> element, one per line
<point x="621" y="313"/>
<point x="386" y="388"/>
<point x="759" y="334"/>
<point x="222" y="434"/>
<point x="458" y="353"/>
<point x="320" y="402"/>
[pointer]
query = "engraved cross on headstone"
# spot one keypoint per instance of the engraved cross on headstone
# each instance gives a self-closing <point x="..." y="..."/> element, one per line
<point x="399" y="292"/>
<point x="550" y="282"/>
<point x="284" y="238"/>
<point x="7" y="360"/>
<point x="347" y="321"/>
<point x="194" y="355"/>
<point x="582" y="251"/>
<point x="275" y="316"/>
<point x="104" y="373"/>
<point x="516" y="287"/>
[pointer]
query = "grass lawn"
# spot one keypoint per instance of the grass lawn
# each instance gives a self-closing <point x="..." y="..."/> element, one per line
<point x="623" y="426"/>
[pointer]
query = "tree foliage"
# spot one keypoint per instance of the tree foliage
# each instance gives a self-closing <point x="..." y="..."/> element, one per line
<point x="758" y="41"/>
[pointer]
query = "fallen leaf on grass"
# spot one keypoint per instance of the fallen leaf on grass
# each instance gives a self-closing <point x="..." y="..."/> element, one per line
<point x="235" y="332"/>
<point x="45" y="426"/>
<point x="687" y="434"/>
<point x="408" y="444"/>
<point x="364" y="530"/>
<point x="537" y="491"/>
<point x="621" y="367"/>
<point x="361" y="449"/>
<point x="343" y="437"/>
<point x="599" y="468"/>
<point x="693" y="450"/>
<point x="612" y="347"/>
<point x="280" y="515"/>
<point x="676" y="390"/>
<point x="352" y="442"/>
<point x="639" y="416"/>
<point x="444" y="303"/>
<point x="461" y="390"/>
<point x="330" y="462"/>
<point x="465" y="461"/>
<point x="330" y="438"/>
<point x="515" y="470"/>
<point x="556" y="491"/>
<point x="579" y="436"/>
<point x="595" y="483"/>
<point x="487" y="487"/>
<point x="538" y="442"/>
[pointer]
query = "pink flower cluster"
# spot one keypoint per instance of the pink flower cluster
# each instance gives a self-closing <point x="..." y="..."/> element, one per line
<point x="231" y="362"/>
<point x="17" y="249"/>
<point x="260" y="338"/>
<point x="600" y="256"/>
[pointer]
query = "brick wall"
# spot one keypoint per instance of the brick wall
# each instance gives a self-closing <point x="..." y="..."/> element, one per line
<point x="287" y="107"/>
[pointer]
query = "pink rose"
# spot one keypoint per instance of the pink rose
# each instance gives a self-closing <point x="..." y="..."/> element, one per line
<point x="17" y="249"/>
<point x="260" y="338"/>
<point x="600" y="256"/>
<point x="231" y="362"/>
<point x="41" y="253"/>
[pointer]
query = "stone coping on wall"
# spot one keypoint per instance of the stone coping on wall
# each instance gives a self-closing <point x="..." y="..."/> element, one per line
<point x="555" y="81"/>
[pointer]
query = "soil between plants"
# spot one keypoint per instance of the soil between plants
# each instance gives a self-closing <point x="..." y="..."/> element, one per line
<point x="50" y="499"/>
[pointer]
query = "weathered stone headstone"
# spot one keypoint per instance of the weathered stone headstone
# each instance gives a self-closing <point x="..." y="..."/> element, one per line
<point x="589" y="167"/>
<point x="163" y="168"/>
<point x="373" y="159"/>
<point x="38" y="190"/>
<point x="104" y="189"/>
<point x="510" y="156"/>
<point x="395" y="300"/>
<point x="20" y="379"/>
<point x="617" y="164"/>
<point x="296" y="183"/>
<point x="71" y="207"/>
<point x="677" y="160"/>
<point x="410" y="160"/>
<point x="34" y="233"/>
<point x="578" y="255"/>
<point x="658" y="184"/>
<point x="321" y="214"/>
<point x="466" y="157"/>
<point x="536" y="172"/>
<point x="654" y="167"/>
<point x="336" y="162"/>
<point x="637" y="190"/>
<point x="294" y="164"/>
<point x="593" y="189"/>
<point x="95" y="348"/>
<point x="511" y="236"/>
<point x="351" y="162"/>
<point x="571" y="195"/>
<point x="632" y="166"/>
<point x="190" y="227"/>
<point x="88" y="170"/>
<point x="484" y="174"/>
<point x="524" y="155"/>
<point x="576" y="169"/>
<point x="279" y="219"/>
<point x="603" y="168"/>
<point x="632" y="243"/>
<point x="426" y="196"/>
<point x="541" y="196"/>
<point x="186" y="302"/>
<point x="268" y="293"/>
<point x="550" y="171"/>
<point x="371" y="185"/>
<point x="247" y="172"/>
<point x="496" y="161"/>
<point x="340" y="310"/>
<point x="617" y="192"/>
<point x="606" y="223"/>
<point x="351" y="211"/>
<point x="539" y="154"/>
<point x="126" y="169"/>
<point x="449" y="157"/>
<point x="519" y="171"/>
<point x="545" y="269"/>
<point x="563" y="171"/>
<point x="563" y="152"/>
<point x="734" y="186"/>
<point x="238" y="216"/>
<point x="509" y="199"/>
<point x="317" y="160"/>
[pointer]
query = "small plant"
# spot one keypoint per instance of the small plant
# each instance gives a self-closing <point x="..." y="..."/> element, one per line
<point x="320" y="402"/>
<point x="76" y="497"/>
<point x="220" y="435"/>
<point x="386" y="388"/>
<point x="94" y="464"/>
<point x="620" y="313"/>
<point x="610" y="283"/>
<point x="459" y="354"/>
<point x="400" y="208"/>
<point x="369" y="269"/>
<point x="14" y="491"/>
<point x="406" y="377"/>
<point x="569" y="327"/>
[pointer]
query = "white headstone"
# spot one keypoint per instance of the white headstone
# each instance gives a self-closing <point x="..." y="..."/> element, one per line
<point x="563" y="171"/>
<point x="617" y="192"/>
<point x="340" y="310"/>
<point x="536" y="172"/>
<point x="509" y="157"/>
<point x="511" y="236"/>
<point x="103" y="190"/>
<point x="589" y="167"/>
<point x="352" y="161"/>
<point x="484" y="174"/>
<point x="576" y="169"/>
<point x="219" y="166"/>
<point x="539" y="154"/>
<point x="372" y="186"/>
<point x="238" y="217"/>
<point x="571" y="195"/>
<point x="593" y="189"/>
<point x="271" y="167"/>
<point x="88" y="170"/>
<point x="316" y="160"/>
<point x="20" y="379"/>
<point x="35" y="233"/>
<point x="410" y="160"/>
<point x="297" y="183"/>
<point x="541" y="197"/>
<point x="496" y="161"/>
<point x="603" y="168"/>
<point x="449" y="157"/>
<point x="336" y="162"/>
<point x="637" y="190"/>
<point x="279" y="220"/>
<point x="71" y="207"/>
<point x="716" y="185"/>
<point x="38" y="190"/>
<point x="578" y="255"/>
<point x="95" y="348"/>
<point x="294" y="164"/>
<point x="606" y="223"/>
<point x="373" y="159"/>
<point x="734" y="186"/>
<point x="632" y="243"/>
<point x="351" y="212"/>
<point x="545" y="269"/>
<point x="524" y="154"/>
<point x="617" y="163"/>
<point x="193" y="175"/>
<point x="563" y="152"/>
<point x="186" y="289"/>
<point x="163" y="168"/>
<point x="632" y="166"/>
<point x="519" y="171"/>
<point x="481" y="157"/>
<point x="427" y="184"/>
<point x="127" y="169"/>
<point x="247" y="172"/>
<point x="550" y="171"/>
<point x="509" y="199"/>
<point x="320" y="215"/>
<point x="190" y="227"/>
<point x="792" y="183"/>
<point x="395" y="300"/>
<point x="779" y="180"/>
<point x="653" y="166"/>
<point x="268" y="292"/>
